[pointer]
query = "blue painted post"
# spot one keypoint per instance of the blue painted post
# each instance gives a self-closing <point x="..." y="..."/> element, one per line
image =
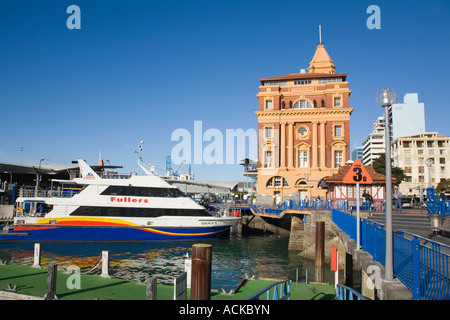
<point x="13" y="197"/>
<point x="350" y="296"/>
<point x="275" y="293"/>
<point x="375" y="242"/>
<point x="416" y="268"/>
<point x="431" y="196"/>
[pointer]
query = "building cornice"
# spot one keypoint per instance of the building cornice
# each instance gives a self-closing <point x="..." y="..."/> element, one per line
<point x="304" y="112"/>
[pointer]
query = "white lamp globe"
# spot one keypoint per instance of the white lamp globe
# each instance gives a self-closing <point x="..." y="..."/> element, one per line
<point x="386" y="97"/>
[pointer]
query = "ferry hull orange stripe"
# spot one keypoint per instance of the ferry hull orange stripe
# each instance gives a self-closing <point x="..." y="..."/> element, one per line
<point x="23" y="228"/>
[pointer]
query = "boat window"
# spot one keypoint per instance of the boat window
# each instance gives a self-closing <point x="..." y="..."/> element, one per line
<point x="143" y="192"/>
<point x="136" y="212"/>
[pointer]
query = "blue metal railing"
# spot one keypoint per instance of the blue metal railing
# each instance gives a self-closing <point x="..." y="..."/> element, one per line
<point x="438" y="207"/>
<point x="444" y="207"/>
<point x="276" y="291"/>
<point x="280" y="210"/>
<point x="419" y="263"/>
<point x="350" y="205"/>
<point x="347" y="293"/>
<point x="301" y="205"/>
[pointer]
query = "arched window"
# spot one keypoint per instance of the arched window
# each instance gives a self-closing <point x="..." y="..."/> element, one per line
<point x="302" y="104"/>
<point x="277" y="182"/>
<point x="301" y="182"/>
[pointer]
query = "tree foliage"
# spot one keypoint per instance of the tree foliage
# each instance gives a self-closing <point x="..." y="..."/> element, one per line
<point x="443" y="185"/>
<point x="379" y="165"/>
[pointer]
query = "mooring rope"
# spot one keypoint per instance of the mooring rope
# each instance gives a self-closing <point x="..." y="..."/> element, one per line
<point x="97" y="263"/>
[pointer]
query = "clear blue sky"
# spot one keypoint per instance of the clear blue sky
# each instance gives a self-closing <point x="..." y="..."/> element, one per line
<point x="138" y="70"/>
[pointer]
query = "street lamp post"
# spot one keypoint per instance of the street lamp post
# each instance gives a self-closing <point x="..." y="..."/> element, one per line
<point x="10" y="177"/>
<point x="39" y="176"/>
<point x="430" y="189"/>
<point x="385" y="98"/>
<point x="429" y="162"/>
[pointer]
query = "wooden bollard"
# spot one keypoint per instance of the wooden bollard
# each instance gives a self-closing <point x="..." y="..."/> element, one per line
<point x="151" y="292"/>
<point x="201" y="272"/>
<point x="51" y="282"/>
<point x="320" y="250"/>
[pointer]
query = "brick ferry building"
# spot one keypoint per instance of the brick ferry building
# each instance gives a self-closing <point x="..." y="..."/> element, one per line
<point x="304" y="130"/>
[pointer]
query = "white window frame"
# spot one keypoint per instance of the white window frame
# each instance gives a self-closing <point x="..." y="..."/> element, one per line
<point x="303" y="159"/>
<point x="338" y="131"/>
<point x="268" y="163"/>
<point x="338" y="158"/>
<point x="302" y="104"/>
<point x="337" y="102"/>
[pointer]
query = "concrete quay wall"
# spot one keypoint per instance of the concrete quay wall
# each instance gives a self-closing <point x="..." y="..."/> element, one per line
<point x="373" y="284"/>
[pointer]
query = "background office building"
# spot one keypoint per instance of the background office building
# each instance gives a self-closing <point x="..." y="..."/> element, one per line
<point x="373" y="146"/>
<point x="407" y="118"/>
<point x="423" y="156"/>
<point x="357" y="153"/>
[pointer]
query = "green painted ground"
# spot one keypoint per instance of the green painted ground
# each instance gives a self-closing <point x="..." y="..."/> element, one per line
<point x="32" y="281"/>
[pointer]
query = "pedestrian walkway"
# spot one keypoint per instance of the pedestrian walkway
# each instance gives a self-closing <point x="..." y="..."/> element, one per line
<point x="414" y="221"/>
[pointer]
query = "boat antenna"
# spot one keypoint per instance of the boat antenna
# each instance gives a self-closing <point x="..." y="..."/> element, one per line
<point x="148" y="169"/>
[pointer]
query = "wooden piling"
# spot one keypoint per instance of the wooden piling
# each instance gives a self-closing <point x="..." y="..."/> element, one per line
<point x="151" y="289"/>
<point x="320" y="250"/>
<point x="348" y="271"/>
<point x="201" y="272"/>
<point x="51" y="282"/>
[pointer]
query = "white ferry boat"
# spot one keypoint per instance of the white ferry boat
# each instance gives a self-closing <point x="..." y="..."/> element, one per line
<point x="135" y="208"/>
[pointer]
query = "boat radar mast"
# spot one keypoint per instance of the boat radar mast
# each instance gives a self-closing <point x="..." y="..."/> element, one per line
<point x="148" y="169"/>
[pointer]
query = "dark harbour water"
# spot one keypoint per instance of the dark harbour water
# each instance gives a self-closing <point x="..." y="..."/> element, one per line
<point x="260" y="256"/>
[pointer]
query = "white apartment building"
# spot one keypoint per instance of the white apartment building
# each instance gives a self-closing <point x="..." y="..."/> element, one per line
<point x="412" y="153"/>
<point x="373" y="146"/>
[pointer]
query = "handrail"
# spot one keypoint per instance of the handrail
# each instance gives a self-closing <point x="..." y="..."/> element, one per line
<point x="66" y="193"/>
<point x="438" y="207"/>
<point x="347" y="293"/>
<point x="282" y="291"/>
<point x="281" y="209"/>
<point x="424" y="240"/>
